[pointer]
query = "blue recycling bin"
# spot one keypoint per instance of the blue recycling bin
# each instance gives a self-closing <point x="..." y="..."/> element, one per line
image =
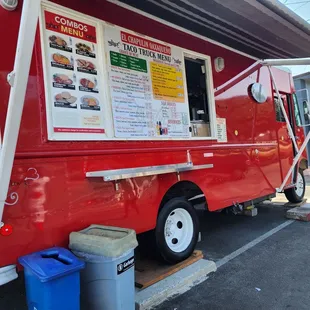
<point x="52" y="279"/>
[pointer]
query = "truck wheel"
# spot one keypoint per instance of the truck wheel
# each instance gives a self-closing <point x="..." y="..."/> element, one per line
<point x="296" y="194"/>
<point x="177" y="230"/>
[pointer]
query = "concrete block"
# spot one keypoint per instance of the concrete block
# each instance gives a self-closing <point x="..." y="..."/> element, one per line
<point x="250" y="212"/>
<point x="174" y="285"/>
<point x="294" y="205"/>
<point x="300" y="213"/>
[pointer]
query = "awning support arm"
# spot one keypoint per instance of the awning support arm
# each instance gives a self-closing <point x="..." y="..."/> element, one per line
<point x="286" y="62"/>
<point x="295" y="161"/>
<point x="25" y="43"/>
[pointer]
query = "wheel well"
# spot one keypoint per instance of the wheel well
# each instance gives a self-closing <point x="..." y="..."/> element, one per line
<point x="184" y="189"/>
<point x="303" y="164"/>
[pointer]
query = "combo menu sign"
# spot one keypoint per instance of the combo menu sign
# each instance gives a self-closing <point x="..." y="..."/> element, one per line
<point x="146" y="86"/>
<point x="73" y="80"/>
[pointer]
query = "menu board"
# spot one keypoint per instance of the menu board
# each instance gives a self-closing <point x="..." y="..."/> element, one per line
<point x="146" y="81"/>
<point x="73" y="78"/>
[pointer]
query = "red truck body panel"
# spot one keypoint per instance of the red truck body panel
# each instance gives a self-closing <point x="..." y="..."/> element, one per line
<point x="62" y="199"/>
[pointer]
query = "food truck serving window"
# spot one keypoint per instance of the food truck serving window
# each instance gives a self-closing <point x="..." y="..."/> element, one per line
<point x="197" y="96"/>
<point x="103" y="82"/>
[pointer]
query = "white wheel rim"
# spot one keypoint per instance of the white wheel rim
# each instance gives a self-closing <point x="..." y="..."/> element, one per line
<point x="179" y="230"/>
<point x="299" y="185"/>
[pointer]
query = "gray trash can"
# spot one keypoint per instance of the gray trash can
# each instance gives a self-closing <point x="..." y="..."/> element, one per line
<point x="107" y="282"/>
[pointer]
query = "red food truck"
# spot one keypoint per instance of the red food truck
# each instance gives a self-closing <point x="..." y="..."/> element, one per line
<point x="126" y="125"/>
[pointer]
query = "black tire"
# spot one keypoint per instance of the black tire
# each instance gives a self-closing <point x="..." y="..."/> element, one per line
<point x="165" y="252"/>
<point x="291" y="193"/>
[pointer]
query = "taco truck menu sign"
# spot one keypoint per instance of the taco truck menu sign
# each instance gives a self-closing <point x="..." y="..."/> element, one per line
<point x="143" y="96"/>
<point x="146" y="86"/>
<point x="72" y="77"/>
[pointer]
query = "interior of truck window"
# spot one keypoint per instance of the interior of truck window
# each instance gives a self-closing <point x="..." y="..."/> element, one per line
<point x="279" y="114"/>
<point x="195" y="69"/>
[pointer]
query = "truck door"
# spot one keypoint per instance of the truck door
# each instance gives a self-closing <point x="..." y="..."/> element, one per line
<point x="286" y="152"/>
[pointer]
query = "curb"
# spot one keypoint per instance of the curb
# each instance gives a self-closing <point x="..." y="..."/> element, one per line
<point x="176" y="284"/>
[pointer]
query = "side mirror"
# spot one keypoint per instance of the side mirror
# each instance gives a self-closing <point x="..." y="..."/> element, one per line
<point x="306" y="113"/>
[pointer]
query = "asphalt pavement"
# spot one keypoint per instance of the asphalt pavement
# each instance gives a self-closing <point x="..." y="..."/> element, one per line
<point x="272" y="275"/>
<point x="263" y="263"/>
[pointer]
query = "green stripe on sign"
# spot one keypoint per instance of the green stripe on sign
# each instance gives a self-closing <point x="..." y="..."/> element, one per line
<point x="128" y="62"/>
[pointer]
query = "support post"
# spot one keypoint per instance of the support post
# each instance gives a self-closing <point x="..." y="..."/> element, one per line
<point x="25" y="42"/>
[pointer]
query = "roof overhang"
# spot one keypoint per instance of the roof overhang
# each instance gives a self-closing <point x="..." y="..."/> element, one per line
<point x="305" y="75"/>
<point x="302" y="76"/>
<point x="260" y="28"/>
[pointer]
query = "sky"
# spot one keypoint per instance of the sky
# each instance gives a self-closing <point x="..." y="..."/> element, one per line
<point x="302" y="8"/>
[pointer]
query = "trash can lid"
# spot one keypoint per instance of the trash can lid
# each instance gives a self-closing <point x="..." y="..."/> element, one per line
<point x="51" y="263"/>
<point x="102" y="240"/>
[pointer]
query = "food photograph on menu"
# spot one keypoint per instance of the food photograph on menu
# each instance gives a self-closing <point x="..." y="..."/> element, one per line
<point x="60" y="43"/>
<point x="88" y="85"/>
<point x="84" y="49"/>
<point x="90" y="103"/>
<point x="62" y="61"/>
<point x="61" y="80"/>
<point x="85" y="66"/>
<point x="65" y="100"/>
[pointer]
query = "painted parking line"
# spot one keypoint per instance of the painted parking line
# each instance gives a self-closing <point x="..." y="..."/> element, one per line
<point x="251" y="244"/>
